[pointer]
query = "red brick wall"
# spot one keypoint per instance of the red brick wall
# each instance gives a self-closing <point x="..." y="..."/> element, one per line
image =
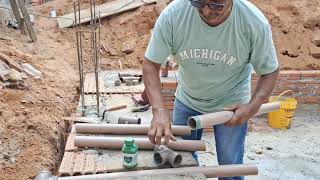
<point x="304" y="84"/>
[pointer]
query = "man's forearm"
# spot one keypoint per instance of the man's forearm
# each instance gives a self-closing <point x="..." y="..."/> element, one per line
<point x="152" y="83"/>
<point x="264" y="88"/>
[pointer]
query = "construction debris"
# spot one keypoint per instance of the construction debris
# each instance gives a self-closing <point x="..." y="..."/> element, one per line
<point x="31" y="71"/>
<point x="10" y="62"/>
<point x="128" y="47"/>
<point x="10" y="78"/>
<point x="107" y="9"/>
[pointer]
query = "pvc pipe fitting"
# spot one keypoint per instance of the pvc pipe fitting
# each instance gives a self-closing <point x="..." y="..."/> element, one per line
<point x="164" y="155"/>
<point x="129" y="120"/>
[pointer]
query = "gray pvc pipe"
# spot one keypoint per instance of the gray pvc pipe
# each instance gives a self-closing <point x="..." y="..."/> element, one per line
<point x="208" y="171"/>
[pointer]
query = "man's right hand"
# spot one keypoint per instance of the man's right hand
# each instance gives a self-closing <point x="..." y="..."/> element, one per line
<point x="160" y="125"/>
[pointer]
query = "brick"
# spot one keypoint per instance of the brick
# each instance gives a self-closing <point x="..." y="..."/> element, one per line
<point x="101" y="167"/>
<point x="79" y="164"/>
<point x="171" y="86"/>
<point x="305" y="92"/>
<point x="168" y="98"/>
<point x="312" y="100"/>
<point x="299" y="84"/>
<point x="286" y="85"/>
<point x="277" y="92"/>
<point x="294" y="76"/>
<point x="313" y="84"/>
<point x="317" y="91"/>
<point x="66" y="165"/>
<point x="90" y="164"/>
<point x="308" y="75"/>
<point x="283" y="75"/>
<point x="301" y="99"/>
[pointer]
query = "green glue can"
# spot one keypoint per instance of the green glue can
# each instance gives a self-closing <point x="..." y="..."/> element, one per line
<point x="130" y="153"/>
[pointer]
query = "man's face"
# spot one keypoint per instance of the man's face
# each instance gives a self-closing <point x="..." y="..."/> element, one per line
<point x="216" y="13"/>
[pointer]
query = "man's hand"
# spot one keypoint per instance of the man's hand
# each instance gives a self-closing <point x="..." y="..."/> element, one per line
<point x="242" y="113"/>
<point x="160" y="125"/>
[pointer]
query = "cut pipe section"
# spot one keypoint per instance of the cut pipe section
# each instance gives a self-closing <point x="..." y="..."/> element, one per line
<point x="125" y="79"/>
<point x="125" y="129"/>
<point x="208" y="171"/>
<point x="142" y="143"/>
<point x="164" y="155"/>
<point x="208" y="120"/>
<point x="129" y="120"/>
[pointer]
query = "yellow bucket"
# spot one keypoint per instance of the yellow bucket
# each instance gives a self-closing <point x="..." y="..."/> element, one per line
<point x="282" y="118"/>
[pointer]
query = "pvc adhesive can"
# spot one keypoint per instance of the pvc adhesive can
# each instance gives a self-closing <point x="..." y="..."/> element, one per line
<point x="130" y="153"/>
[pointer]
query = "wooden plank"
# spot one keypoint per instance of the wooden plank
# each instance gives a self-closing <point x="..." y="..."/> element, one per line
<point x="10" y="62"/>
<point x="27" y="20"/>
<point x="106" y="9"/>
<point x="92" y="120"/>
<point x="66" y="164"/>
<point x="17" y="15"/>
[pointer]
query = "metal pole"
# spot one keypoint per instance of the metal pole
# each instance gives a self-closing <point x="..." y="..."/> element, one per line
<point x="81" y="60"/>
<point x="96" y="58"/>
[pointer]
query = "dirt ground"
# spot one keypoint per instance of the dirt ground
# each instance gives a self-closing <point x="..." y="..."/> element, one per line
<point x="32" y="133"/>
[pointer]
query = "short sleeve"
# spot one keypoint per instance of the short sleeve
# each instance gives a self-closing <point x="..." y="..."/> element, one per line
<point x="160" y="44"/>
<point x="263" y="54"/>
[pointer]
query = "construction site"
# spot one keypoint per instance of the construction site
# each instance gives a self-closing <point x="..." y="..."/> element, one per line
<point x="71" y="77"/>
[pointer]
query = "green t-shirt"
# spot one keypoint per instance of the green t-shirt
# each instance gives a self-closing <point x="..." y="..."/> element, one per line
<point x="215" y="63"/>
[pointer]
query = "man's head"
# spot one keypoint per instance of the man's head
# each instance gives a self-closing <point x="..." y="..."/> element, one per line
<point x="213" y="12"/>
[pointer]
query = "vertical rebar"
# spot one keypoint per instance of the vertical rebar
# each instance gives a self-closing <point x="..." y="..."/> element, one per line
<point x="99" y="41"/>
<point x="95" y="51"/>
<point x="81" y="59"/>
<point x="76" y="26"/>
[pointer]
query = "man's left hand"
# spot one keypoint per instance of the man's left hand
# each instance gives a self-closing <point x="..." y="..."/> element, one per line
<point x="242" y="113"/>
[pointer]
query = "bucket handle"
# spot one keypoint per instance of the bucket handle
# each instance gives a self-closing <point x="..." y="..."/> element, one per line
<point x="283" y="93"/>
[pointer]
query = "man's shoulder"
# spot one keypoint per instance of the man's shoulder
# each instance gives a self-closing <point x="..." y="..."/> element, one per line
<point x="251" y="15"/>
<point x="175" y="8"/>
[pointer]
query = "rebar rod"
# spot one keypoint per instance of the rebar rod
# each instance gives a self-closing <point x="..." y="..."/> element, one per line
<point x="79" y="51"/>
<point x="96" y="56"/>
<point x="81" y="60"/>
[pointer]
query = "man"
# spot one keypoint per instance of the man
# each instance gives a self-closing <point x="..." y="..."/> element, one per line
<point x="216" y="43"/>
